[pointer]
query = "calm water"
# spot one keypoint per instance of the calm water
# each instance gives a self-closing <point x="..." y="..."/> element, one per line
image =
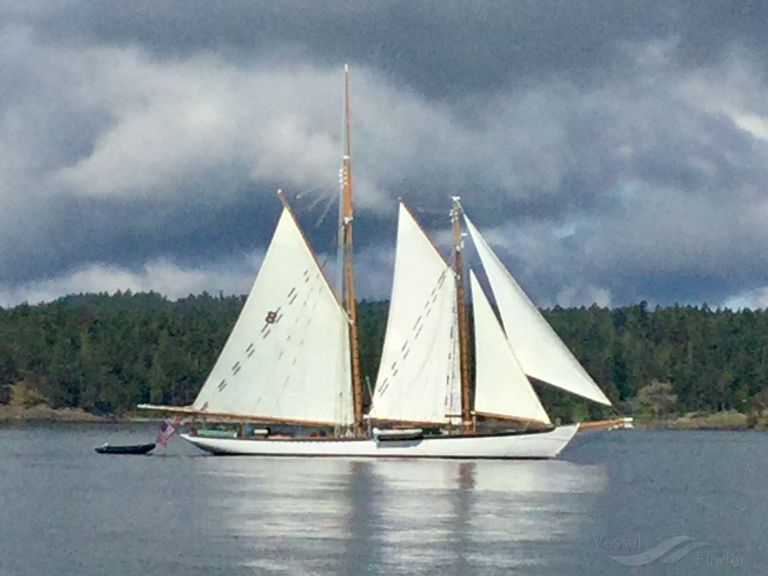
<point x="669" y="502"/>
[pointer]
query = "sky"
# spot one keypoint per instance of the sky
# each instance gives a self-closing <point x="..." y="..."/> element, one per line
<point x="612" y="151"/>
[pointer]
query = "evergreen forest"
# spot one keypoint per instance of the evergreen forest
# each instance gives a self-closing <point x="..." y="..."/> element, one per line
<point x="105" y="353"/>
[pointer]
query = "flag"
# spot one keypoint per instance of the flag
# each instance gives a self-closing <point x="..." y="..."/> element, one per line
<point x="167" y="429"/>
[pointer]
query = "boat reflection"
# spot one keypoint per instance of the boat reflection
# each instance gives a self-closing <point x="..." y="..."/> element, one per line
<point x="455" y="515"/>
<point x="381" y="516"/>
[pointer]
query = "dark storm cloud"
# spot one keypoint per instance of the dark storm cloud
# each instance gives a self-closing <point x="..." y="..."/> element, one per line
<point x="613" y="151"/>
<point x="439" y="47"/>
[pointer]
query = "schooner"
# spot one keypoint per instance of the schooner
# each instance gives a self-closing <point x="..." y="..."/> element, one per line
<point x="292" y="357"/>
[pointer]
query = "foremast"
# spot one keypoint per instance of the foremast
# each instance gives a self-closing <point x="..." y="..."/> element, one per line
<point x="461" y="311"/>
<point x="348" y="277"/>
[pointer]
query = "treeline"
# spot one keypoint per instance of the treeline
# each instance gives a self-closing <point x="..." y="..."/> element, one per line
<point x="107" y="353"/>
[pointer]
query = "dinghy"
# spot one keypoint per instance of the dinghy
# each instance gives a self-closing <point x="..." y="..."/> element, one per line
<point x="134" y="449"/>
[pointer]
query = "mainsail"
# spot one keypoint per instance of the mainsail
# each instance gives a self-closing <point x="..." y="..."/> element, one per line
<point x="418" y="378"/>
<point x="537" y="347"/>
<point x="501" y="387"/>
<point x="287" y="357"/>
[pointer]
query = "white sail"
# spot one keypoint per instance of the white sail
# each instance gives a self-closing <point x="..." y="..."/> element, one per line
<point x="287" y="357"/>
<point x="501" y="387"/>
<point x="537" y="347"/>
<point x="418" y="378"/>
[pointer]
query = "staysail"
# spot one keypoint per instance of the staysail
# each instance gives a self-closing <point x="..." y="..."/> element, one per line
<point x="501" y="387"/>
<point x="540" y="351"/>
<point x="287" y="357"/>
<point x="418" y="378"/>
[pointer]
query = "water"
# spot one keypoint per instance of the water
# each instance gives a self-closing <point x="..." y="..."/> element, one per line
<point x="671" y="502"/>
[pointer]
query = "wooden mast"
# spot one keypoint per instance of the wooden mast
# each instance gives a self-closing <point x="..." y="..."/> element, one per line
<point x="461" y="309"/>
<point x="347" y="213"/>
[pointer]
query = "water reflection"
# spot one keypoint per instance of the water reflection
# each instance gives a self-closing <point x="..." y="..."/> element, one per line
<point x="299" y="516"/>
<point x="460" y="516"/>
<point x="68" y="510"/>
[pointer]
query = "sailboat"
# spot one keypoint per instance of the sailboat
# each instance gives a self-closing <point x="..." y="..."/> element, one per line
<point x="292" y="358"/>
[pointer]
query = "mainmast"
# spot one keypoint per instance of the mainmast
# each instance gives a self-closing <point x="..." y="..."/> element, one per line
<point x="461" y="309"/>
<point x="348" y="295"/>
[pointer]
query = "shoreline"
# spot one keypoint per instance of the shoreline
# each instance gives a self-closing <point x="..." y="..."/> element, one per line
<point x="42" y="413"/>
<point x="727" y="420"/>
<point x="722" y="421"/>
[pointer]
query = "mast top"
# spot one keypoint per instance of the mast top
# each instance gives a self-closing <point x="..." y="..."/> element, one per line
<point x="347" y="128"/>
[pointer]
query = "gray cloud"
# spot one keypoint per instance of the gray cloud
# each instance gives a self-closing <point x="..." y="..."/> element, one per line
<point x="441" y="48"/>
<point x="612" y="151"/>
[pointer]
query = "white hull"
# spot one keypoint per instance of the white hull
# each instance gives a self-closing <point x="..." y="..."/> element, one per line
<point x="529" y="445"/>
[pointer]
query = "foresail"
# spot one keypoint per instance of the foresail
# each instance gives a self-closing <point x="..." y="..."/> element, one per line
<point x="501" y="387"/>
<point x="540" y="351"/>
<point x="288" y="354"/>
<point x="418" y="378"/>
